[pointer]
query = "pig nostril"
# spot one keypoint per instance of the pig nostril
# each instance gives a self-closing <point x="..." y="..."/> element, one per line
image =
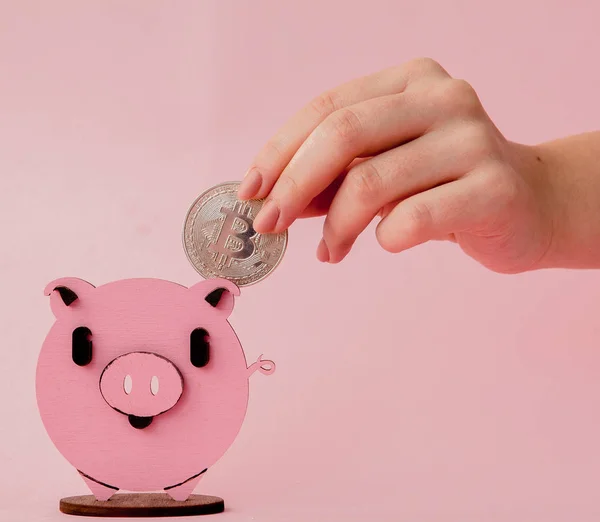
<point x="127" y="384"/>
<point x="154" y="385"/>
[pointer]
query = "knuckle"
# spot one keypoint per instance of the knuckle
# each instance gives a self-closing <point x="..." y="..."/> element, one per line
<point x="290" y="187"/>
<point x="480" y="143"/>
<point x="412" y="227"/>
<point x="345" y="125"/>
<point x="365" y="180"/>
<point x="458" y="96"/>
<point x="463" y="88"/>
<point x="501" y="186"/>
<point x="425" y="64"/>
<point x="273" y="150"/>
<point x="325" y="104"/>
<point x="419" y="219"/>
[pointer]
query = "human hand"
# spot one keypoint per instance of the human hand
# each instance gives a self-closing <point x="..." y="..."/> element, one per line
<point x="414" y="146"/>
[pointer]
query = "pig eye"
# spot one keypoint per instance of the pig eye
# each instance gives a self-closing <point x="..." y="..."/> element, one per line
<point x="199" y="348"/>
<point x="82" y="346"/>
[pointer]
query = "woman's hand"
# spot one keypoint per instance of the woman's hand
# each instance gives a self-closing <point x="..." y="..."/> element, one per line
<point x="414" y="146"/>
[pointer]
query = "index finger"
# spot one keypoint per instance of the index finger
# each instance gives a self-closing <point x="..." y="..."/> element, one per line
<point x="272" y="159"/>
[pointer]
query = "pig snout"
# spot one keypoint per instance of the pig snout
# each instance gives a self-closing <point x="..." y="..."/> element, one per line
<point x="141" y="385"/>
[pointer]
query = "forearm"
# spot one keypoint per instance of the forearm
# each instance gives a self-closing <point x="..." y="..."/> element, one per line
<point x="572" y="165"/>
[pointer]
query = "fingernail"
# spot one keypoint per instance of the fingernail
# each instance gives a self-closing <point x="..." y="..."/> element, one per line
<point x="250" y="185"/>
<point x="323" y="252"/>
<point x="267" y="218"/>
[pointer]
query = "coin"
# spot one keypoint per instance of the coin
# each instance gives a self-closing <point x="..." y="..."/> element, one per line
<point x="220" y="241"/>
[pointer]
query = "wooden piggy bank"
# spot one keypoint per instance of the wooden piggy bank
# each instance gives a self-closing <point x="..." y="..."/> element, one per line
<point x="142" y="384"/>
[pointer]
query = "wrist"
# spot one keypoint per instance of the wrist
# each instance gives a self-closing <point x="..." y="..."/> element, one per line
<point x="572" y="194"/>
<point x="555" y="208"/>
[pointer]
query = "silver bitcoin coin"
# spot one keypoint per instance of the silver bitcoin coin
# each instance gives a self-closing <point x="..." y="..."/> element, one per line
<point x="220" y="241"/>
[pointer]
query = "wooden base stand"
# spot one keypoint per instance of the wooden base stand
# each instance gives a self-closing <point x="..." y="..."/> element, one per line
<point x="141" y="505"/>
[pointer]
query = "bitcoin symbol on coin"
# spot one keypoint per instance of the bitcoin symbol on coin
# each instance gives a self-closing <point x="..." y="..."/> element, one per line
<point x="234" y="240"/>
<point x="220" y="241"/>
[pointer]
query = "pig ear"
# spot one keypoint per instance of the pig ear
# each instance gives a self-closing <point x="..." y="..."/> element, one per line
<point x="218" y="293"/>
<point x="66" y="293"/>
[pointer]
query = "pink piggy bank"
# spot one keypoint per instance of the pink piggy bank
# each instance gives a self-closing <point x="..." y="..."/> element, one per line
<point x="142" y="384"/>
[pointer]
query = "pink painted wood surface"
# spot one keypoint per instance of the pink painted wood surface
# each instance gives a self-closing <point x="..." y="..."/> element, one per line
<point x="140" y="416"/>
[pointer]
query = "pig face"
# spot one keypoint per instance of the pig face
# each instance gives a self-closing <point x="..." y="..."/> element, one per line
<point x="142" y="383"/>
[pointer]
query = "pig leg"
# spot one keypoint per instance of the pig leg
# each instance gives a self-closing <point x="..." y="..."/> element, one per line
<point x="181" y="492"/>
<point x="101" y="491"/>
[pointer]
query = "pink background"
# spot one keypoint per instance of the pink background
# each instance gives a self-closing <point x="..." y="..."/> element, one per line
<point x="410" y="387"/>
